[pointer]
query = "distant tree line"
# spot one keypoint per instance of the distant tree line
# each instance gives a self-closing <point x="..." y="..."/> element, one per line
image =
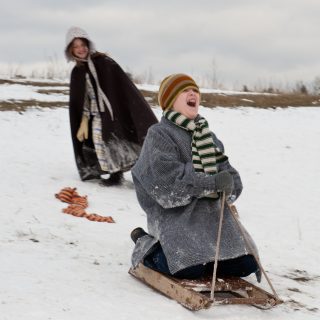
<point x="53" y="68"/>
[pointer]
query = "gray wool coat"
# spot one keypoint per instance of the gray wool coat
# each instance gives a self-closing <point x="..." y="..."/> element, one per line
<point x="172" y="194"/>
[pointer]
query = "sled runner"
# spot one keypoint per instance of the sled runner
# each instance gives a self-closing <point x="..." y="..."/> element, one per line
<point x="195" y="294"/>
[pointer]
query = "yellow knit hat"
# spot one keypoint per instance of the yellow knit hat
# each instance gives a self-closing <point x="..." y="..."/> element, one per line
<point x="172" y="86"/>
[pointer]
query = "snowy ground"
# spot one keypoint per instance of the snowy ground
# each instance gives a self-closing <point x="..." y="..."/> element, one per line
<point x="59" y="267"/>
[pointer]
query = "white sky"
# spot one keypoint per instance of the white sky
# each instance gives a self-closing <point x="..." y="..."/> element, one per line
<point x="247" y="42"/>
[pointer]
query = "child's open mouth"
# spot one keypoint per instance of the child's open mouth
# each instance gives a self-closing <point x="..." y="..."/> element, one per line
<point x="191" y="103"/>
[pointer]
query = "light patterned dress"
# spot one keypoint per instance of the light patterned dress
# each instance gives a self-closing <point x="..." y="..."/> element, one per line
<point x="116" y="154"/>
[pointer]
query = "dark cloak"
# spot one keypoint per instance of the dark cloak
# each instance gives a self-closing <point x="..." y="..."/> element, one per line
<point x="132" y="114"/>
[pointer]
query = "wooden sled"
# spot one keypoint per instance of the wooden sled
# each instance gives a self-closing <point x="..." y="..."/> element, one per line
<point x="195" y="294"/>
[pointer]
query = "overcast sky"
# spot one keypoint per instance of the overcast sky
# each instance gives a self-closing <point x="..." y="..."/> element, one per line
<point x="237" y="41"/>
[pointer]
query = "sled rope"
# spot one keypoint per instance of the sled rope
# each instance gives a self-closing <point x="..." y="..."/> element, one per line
<point x="255" y="256"/>
<point x="78" y="204"/>
<point x="215" y="266"/>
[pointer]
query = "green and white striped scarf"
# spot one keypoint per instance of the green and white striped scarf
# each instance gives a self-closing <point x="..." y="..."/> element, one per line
<point x="205" y="154"/>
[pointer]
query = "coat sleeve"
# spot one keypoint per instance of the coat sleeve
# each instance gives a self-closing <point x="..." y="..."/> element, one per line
<point x="226" y="166"/>
<point x="237" y="189"/>
<point x="164" y="177"/>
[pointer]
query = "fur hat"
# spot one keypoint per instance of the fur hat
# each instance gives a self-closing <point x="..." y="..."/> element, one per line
<point x="172" y="86"/>
<point x="76" y="32"/>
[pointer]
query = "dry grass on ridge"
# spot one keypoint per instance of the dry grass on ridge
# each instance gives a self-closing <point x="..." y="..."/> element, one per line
<point x="283" y="100"/>
<point x="210" y="100"/>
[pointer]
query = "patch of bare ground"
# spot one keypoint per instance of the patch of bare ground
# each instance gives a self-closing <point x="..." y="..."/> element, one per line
<point x="284" y="100"/>
<point x="34" y="83"/>
<point x="23" y="105"/>
<point x="210" y="100"/>
<point x="301" y="276"/>
<point x="53" y="91"/>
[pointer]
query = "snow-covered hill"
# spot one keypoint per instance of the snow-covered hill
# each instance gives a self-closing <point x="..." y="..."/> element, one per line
<point x="56" y="266"/>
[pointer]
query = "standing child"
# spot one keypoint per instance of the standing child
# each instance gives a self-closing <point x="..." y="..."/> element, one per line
<point x="109" y="117"/>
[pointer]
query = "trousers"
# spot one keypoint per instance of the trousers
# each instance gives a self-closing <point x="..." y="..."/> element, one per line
<point x="237" y="267"/>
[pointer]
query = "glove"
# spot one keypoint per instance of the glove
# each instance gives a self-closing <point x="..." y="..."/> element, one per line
<point x="224" y="182"/>
<point x="83" y="129"/>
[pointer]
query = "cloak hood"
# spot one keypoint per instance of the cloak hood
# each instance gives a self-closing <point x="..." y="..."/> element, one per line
<point x="76" y="32"/>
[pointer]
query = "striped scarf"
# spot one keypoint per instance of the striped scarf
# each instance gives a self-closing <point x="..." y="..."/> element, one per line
<point x="205" y="154"/>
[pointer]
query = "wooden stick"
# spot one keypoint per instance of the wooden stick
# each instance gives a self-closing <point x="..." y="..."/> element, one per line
<point x="253" y="253"/>
<point x="214" y="277"/>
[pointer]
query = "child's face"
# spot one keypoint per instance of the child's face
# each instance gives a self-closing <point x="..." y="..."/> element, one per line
<point x="79" y="49"/>
<point x="187" y="103"/>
